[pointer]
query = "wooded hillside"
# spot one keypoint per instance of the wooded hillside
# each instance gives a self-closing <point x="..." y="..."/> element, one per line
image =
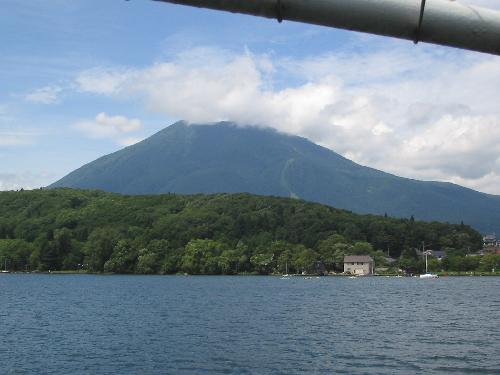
<point x="65" y="229"/>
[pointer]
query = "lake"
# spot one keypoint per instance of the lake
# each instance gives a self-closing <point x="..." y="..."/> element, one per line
<point x="89" y="324"/>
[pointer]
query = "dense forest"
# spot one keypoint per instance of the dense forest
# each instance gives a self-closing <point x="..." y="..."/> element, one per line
<point x="65" y="229"/>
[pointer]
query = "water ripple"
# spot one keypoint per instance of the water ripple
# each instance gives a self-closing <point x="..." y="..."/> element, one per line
<point x="247" y="325"/>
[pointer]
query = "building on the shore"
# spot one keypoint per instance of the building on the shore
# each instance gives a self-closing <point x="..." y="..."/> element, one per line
<point x="491" y="244"/>
<point x="438" y="254"/>
<point x="361" y="265"/>
<point x="491" y="240"/>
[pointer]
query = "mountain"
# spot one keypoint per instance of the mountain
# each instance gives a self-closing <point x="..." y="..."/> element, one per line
<point x="227" y="158"/>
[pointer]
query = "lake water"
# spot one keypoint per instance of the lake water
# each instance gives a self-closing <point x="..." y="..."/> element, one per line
<point x="86" y="324"/>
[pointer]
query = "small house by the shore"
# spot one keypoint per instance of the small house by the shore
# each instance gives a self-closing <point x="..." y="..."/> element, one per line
<point x="361" y="265"/>
<point x="491" y="240"/>
<point x="438" y="254"/>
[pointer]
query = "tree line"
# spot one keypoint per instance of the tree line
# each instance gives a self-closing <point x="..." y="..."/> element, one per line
<point x="66" y="229"/>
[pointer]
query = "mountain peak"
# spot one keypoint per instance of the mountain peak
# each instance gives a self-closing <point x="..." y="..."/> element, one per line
<point x="227" y="157"/>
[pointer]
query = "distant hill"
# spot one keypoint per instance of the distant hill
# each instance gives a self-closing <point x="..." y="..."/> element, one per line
<point x="69" y="229"/>
<point x="228" y="158"/>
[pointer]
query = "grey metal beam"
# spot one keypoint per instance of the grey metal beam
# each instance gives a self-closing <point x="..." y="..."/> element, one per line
<point x="443" y="22"/>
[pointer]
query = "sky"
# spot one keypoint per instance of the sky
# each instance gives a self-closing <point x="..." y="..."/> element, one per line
<point x="83" y="78"/>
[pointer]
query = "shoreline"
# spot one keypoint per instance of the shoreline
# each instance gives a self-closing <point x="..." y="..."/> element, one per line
<point x="441" y="275"/>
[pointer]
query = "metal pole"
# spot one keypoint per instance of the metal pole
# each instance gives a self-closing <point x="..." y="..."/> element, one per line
<point x="441" y="22"/>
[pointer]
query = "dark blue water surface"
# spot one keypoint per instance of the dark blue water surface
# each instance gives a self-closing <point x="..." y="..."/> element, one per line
<point x="83" y="324"/>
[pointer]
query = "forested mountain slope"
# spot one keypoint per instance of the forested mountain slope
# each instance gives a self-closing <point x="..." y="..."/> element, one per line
<point x="227" y="158"/>
<point x="210" y="234"/>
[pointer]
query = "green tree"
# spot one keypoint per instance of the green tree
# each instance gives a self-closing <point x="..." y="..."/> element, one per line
<point x="148" y="261"/>
<point x="433" y="265"/>
<point x="330" y="253"/>
<point x="199" y="256"/>
<point x="73" y="260"/>
<point x="49" y="257"/>
<point x="15" y="254"/>
<point x="411" y="265"/>
<point x="457" y="263"/>
<point x="262" y="263"/>
<point x="362" y="248"/>
<point x="305" y="259"/>
<point x="171" y="261"/>
<point x="123" y="258"/>
<point x="410" y="262"/>
<point x="99" y="247"/>
<point x="490" y="263"/>
<point x="340" y="250"/>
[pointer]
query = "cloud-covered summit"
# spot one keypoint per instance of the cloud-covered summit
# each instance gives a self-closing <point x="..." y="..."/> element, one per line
<point x="427" y="115"/>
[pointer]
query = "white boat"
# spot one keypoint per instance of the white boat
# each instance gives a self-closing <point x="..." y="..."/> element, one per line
<point x="428" y="275"/>
<point x="5" y="267"/>
<point x="286" y="275"/>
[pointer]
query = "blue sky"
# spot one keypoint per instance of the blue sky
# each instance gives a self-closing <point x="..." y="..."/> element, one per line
<point x="83" y="78"/>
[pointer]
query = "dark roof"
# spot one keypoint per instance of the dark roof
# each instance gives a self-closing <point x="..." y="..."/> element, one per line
<point x="357" y="258"/>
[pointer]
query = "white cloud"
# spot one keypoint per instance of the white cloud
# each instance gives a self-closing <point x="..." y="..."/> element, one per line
<point x="129" y="141"/>
<point x="11" y="134"/>
<point x="16" y="138"/>
<point x="25" y="180"/>
<point x="429" y="113"/>
<point x="101" y="80"/>
<point x="44" y="95"/>
<point x="112" y="127"/>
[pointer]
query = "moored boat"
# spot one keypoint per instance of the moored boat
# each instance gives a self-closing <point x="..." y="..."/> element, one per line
<point x="427" y="275"/>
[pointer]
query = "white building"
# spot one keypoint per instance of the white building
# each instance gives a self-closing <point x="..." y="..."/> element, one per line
<point x="359" y="265"/>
